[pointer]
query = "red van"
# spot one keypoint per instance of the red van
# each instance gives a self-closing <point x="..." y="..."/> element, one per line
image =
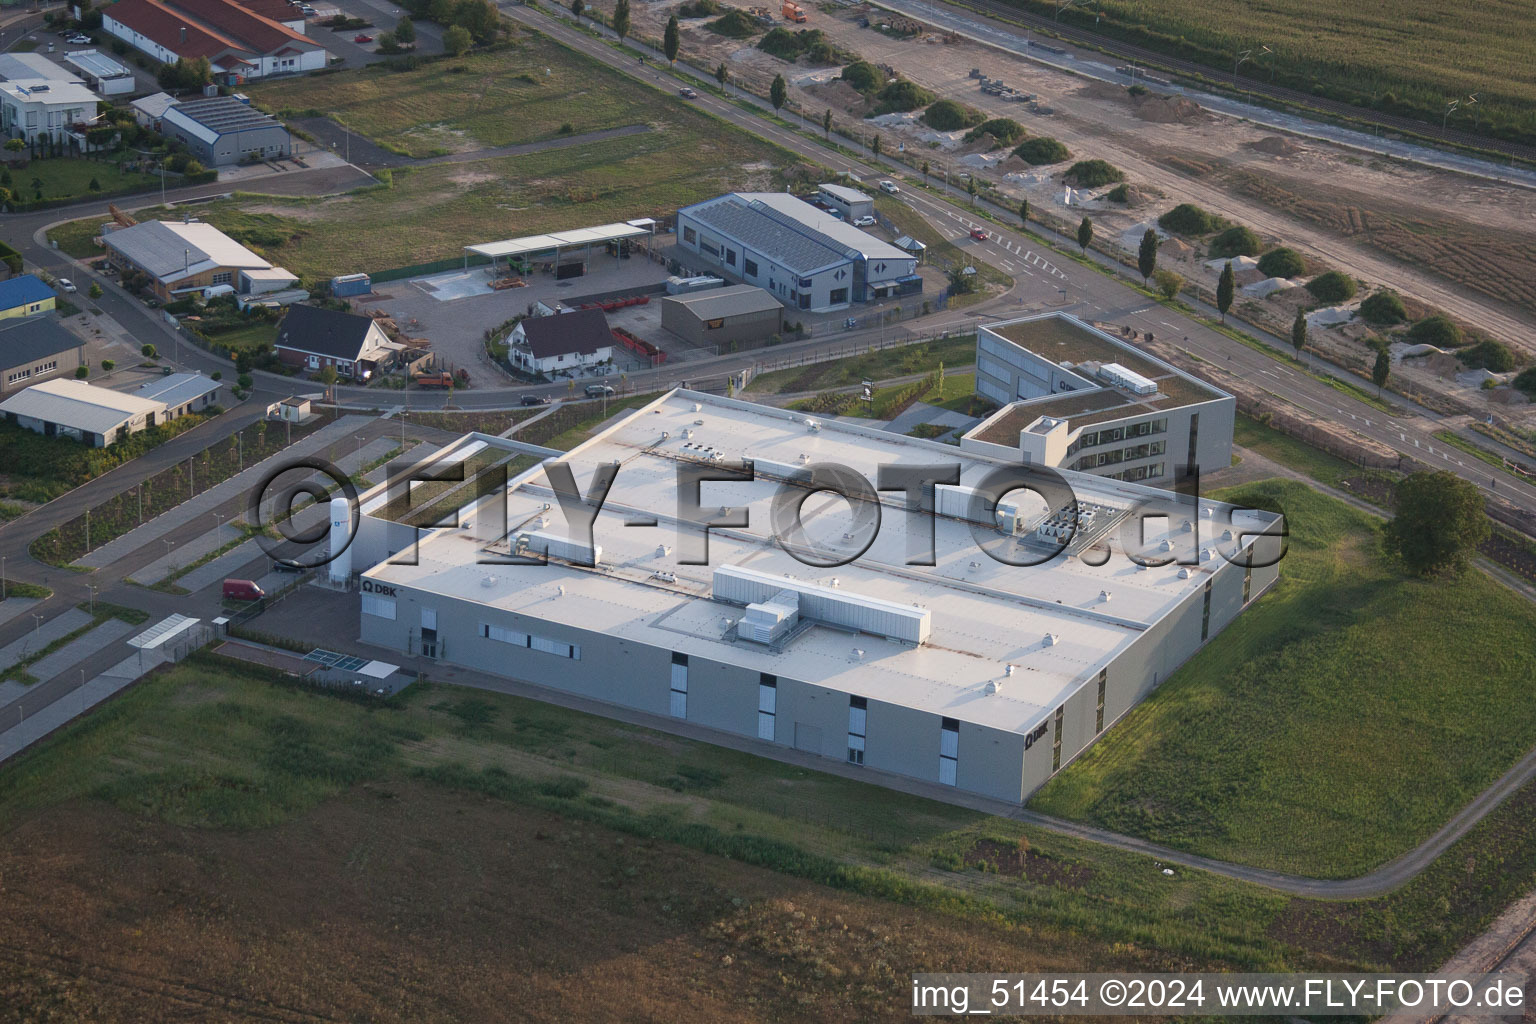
<point x="242" y="590"/>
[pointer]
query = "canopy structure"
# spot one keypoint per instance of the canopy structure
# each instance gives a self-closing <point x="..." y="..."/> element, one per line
<point x="556" y="242"/>
<point x="163" y="632"/>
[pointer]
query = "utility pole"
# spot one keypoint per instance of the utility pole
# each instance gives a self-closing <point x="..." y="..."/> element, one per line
<point x="87" y="531"/>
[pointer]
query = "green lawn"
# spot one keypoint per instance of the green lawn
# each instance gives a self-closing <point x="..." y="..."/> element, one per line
<point x="876" y="365"/>
<point x="1338" y="723"/>
<point x="252" y="335"/>
<point x="70" y="177"/>
<point x="942" y="253"/>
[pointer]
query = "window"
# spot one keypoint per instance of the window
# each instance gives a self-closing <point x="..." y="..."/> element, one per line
<point x="1194" y="437"/>
<point x="1056" y="740"/>
<point x="690" y="236"/>
<point x="749" y="267"/>
<point x="1098" y="725"/>
<point x="223" y="278"/>
<point x="715" y="324"/>
<point x="1089" y="439"/>
<point x="767" y="705"/>
<point x="858" y="711"/>
<point x="382" y="607"/>
<point x="838" y="296"/>
<point x="730" y="257"/>
<point x="536" y="643"/>
<point x="18" y="375"/>
<point x="1205" y="617"/>
<point x="679" y="706"/>
<point x="949" y="750"/>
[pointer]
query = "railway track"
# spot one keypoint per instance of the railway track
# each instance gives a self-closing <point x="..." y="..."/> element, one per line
<point x="1281" y="93"/>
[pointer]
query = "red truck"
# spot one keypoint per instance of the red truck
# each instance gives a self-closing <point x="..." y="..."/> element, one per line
<point x="242" y="590"/>
<point x="435" y="380"/>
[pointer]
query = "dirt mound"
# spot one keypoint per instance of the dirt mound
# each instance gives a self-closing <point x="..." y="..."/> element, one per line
<point x="1175" y="247"/>
<point x="1136" y="195"/>
<point x="1166" y="109"/>
<point x="1014" y="165"/>
<point x="985" y="143"/>
<point x="840" y="96"/>
<point x="1277" y="145"/>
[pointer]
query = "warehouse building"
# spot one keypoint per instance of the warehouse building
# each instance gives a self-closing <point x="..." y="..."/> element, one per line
<point x="221" y="130"/>
<point x="849" y="202"/>
<point x="25" y="295"/>
<point x="1075" y="397"/>
<point x="239" y="43"/>
<point x="953" y="668"/>
<point x="180" y="257"/>
<point x="73" y="408"/>
<point x="36" y="348"/>
<point x="805" y="257"/>
<point x="738" y="314"/>
<point x="181" y="394"/>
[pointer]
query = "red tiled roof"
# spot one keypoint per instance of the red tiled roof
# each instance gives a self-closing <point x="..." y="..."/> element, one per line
<point x="277" y="10"/>
<point x="213" y="28"/>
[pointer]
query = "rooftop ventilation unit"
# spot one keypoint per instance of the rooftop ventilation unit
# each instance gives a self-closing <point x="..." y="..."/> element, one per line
<point x="835" y="607"/>
<point x="532" y="543"/>
<point x="1129" y="380"/>
<point x="767" y="621"/>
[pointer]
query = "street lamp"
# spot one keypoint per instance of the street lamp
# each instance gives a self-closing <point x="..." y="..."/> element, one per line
<point x="1067" y="5"/>
<point x="1450" y="108"/>
<point x="1245" y="56"/>
<point x="92" y="588"/>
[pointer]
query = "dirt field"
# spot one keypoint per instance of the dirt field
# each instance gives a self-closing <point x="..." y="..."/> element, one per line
<point x="1381" y="220"/>
<point x="413" y="904"/>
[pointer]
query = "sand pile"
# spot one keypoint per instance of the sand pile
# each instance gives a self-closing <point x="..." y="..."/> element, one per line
<point x="1166" y="109"/>
<point x="839" y="95"/>
<point x="985" y="143"/>
<point x="1277" y="145"/>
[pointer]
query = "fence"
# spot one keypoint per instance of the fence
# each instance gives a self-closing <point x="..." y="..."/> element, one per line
<point x="422" y="269"/>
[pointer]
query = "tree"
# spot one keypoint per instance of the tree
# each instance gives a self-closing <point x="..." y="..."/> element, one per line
<point x="778" y="92"/>
<point x="1440" y="521"/>
<point x="925" y="172"/>
<point x="108" y="365"/>
<point x="1085" y="233"/>
<point x="478" y="18"/>
<point x="826" y="123"/>
<point x="388" y="42"/>
<point x="95" y="290"/>
<point x="970" y="188"/>
<point x="94" y="186"/>
<point x="874" y="145"/>
<point x="672" y="40"/>
<point x="456" y="40"/>
<point x="1168" y="283"/>
<point x="405" y="31"/>
<point x="577" y="7"/>
<point x="148" y="351"/>
<point x="1381" y="370"/>
<point x="1225" y="289"/>
<point x="1024" y="212"/>
<point x="1299" y="332"/>
<point x="621" y="19"/>
<point x="722" y="73"/>
<point x="1146" y="256"/>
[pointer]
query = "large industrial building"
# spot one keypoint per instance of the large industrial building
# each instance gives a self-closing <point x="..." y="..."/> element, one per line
<point x="807" y="258"/>
<point x="181" y="257"/>
<point x="221" y="130"/>
<point x="239" y="43"/>
<point x="1075" y="397"/>
<point x="955" y="668"/>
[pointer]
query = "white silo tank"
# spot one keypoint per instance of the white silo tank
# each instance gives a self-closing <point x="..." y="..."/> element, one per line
<point x="341" y="537"/>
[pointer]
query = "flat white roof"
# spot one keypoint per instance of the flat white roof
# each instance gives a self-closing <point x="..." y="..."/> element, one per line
<point x="35" y="66"/>
<point x="50" y="92"/>
<point x="559" y="239"/>
<point x="178" y="388"/>
<point x="77" y="404"/>
<point x="985" y="615"/>
<point x="96" y="65"/>
<point x="846" y="194"/>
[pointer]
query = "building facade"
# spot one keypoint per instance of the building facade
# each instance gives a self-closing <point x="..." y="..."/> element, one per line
<point x="34" y="349"/>
<point x="734" y="315"/>
<point x="183" y="257"/>
<point x="238" y="43"/>
<point x="222" y="130"/>
<point x="1076" y="397"/>
<point x="25" y="295"/>
<point x="33" y="108"/>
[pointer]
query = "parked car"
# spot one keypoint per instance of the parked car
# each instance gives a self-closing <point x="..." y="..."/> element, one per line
<point x="851" y="323"/>
<point x="66" y="285"/>
<point x="362" y="37"/>
<point x="979" y="234"/>
<point x="242" y="590"/>
<point x="79" y="39"/>
<point x="282" y="565"/>
<point x="535" y="400"/>
<point x="890" y="187"/>
<point x="600" y="391"/>
<point x="865" y="221"/>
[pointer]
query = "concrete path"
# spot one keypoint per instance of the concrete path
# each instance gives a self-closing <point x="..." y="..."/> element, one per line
<point x="184" y="554"/>
<point x="36" y="639"/>
<point x="76" y="651"/>
<point x="22" y="735"/>
<point x="234" y="487"/>
<point x="11" y="607"/>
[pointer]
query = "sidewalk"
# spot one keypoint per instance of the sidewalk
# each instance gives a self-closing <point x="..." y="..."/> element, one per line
<point x="30" y="730"/>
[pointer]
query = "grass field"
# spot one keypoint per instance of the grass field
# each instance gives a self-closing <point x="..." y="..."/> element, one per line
<point x="943" y="253"/>
<point x="68" y="178"/>
<point x="1340" y="722"/>
<point x="875" y="365"/>
<point x="477" y="101"/>
<point x="1407" y="56"/>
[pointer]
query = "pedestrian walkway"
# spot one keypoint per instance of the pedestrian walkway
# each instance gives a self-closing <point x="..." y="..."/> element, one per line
<point x="221" y="567"/>
<point x="22" y="735"/>
<point x="11" y="607"/>
<point x="214" y="497"/>
<point x="44" y="634"/>
<point x="184" y="554"/>
<point x="76" y="651"/>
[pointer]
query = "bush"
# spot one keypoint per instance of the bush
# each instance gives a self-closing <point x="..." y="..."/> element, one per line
<point x="1438" y="330"/>
<point x="1042" y="150"/>
<point x="1235" y="241"/>
<point x="1526" y="382"/>
<point x="1384" y="307"/>
<point x="1282" y="262"/>
<point x="698" y="9"/>
<point x="1489" y="354"/>
<point x="812" y="44"/>
<point x="1093" y="173"/>
<point x="949" y="116"/>
<point x="901" y="96"/>
<point x="1333" y="286"/>
<point x="108" y="365"/>
<point x="1189" y="219"/>
<point x="1121" y="193"/>
<point x="217" y="375"/>
<point x="82" y="372"/>
<point x="148" y="351"/>
<point x="734" y="25"/>
<point x="1168" y="283"/>
<point x="1004" y="129"/>
<point x="864" y="77"/>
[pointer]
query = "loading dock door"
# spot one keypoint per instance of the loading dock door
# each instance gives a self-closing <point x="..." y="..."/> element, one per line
<point x="808" y="738"/>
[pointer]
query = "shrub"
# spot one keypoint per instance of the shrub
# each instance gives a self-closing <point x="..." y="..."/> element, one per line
<point x="1438" y="330"/>
<point x="1384" y="307"/>
<point x="1004" y="129"/>
<point x="1235" y="241"/>
<point x="698" y="9"/>
<point x="1189" y="219"/>
<point x="735" y="25"/>
<point x="1489" y="354"/>
<point x="217" y="375"/>
<point x="1526" y="382"/>
<point x="864" y="77"/>
<point x="949" y="116"/>
<point x="1333" y="286"/>
<point x="244" y="382"/>
<point x="901" y="96"/>
<point x="1282" y="262"/>
<point x="1093" y="173"/>
<point x="1168" y="283"/>
<point x="148" y="351"/>
<point x="786" y="45"/>
<point x="82" y="372"/>
<point x="1121" y="193"/>
<point x="1042" y="150"/>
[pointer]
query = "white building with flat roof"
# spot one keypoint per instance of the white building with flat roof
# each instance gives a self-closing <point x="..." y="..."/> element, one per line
<point x="72" y="408"/>
<point x="30" y="107"/>
<point x="936" y="653"/>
